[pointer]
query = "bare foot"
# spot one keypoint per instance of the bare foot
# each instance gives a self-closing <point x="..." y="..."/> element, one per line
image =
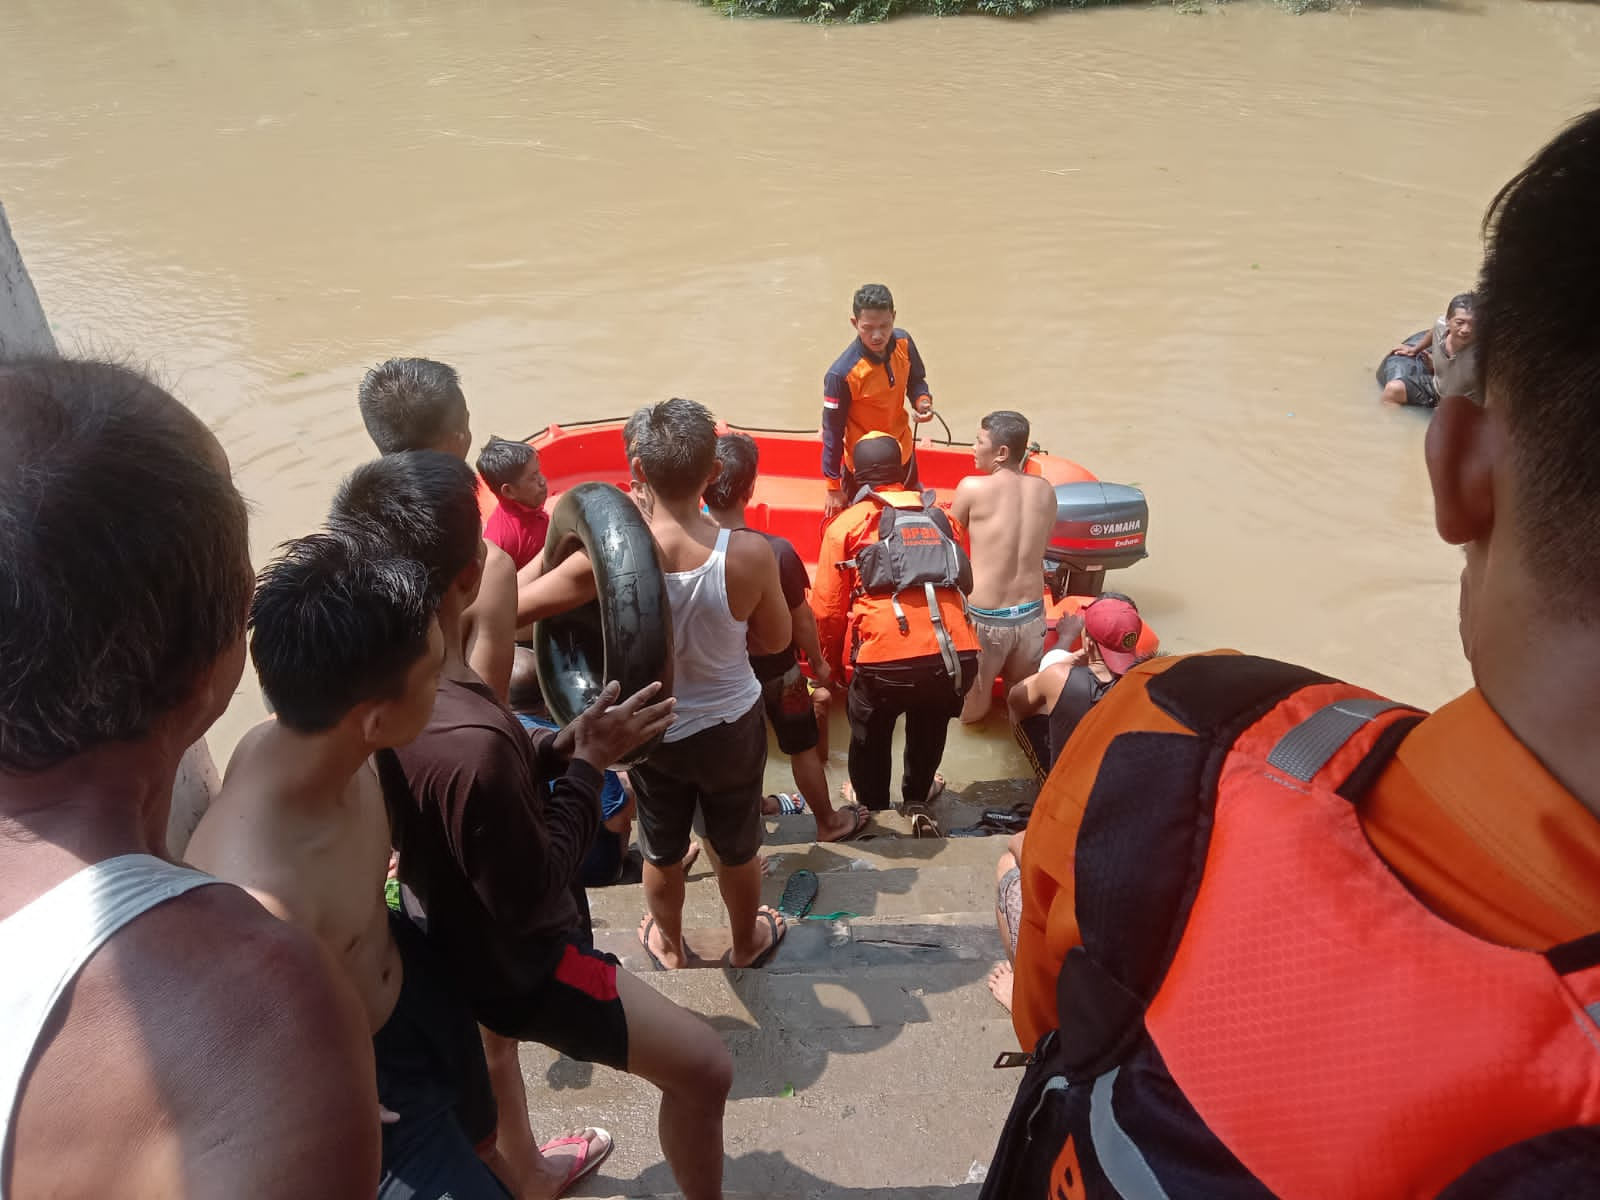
<point x="1000" y="982"/>
<point x="664" y="959"/>
<point x="770" y="928"/>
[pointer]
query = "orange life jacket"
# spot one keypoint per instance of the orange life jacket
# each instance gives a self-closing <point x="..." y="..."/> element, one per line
<point x="1259" y="1006"/>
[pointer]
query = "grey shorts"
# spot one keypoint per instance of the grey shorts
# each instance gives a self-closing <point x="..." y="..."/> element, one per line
<point x="709" y="781"/>
<point x="1009" y="645"/>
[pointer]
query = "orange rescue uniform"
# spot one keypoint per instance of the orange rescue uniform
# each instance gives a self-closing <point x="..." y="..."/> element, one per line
<point x="864" y="628"/>
<point x="862" y="393"/>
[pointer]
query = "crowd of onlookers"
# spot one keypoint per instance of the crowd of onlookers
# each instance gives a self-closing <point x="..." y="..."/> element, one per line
<point x="1272" y="934"/>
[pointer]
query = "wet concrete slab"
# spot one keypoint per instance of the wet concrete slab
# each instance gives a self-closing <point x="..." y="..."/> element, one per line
<point x="862" y="1053"/>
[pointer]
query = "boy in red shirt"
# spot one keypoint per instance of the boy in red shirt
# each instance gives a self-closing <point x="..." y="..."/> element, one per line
<point x="519" y="525"/>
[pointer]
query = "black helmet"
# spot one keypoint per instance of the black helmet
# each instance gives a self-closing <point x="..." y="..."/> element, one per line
<point x="877" y="460"/>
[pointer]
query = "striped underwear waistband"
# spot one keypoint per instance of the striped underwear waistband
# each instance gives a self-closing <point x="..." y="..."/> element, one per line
<point x="1017" y="612"/>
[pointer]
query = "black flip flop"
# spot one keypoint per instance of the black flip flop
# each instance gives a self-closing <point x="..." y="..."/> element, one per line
<point x="765" y="956"/>
<point x="799" y="894"/>
<point x="860" y="817"/>
<point x="1006" y="820"/>
<point x="689" y="956"/>
<point x="644" y="941"/>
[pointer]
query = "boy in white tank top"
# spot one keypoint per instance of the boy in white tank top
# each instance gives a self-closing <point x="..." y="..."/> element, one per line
<point x="725" y="592"/>
<point x="727" y="600"/>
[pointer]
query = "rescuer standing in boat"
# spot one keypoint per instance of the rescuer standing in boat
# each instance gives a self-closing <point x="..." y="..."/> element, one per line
<point x="866" y="389"/>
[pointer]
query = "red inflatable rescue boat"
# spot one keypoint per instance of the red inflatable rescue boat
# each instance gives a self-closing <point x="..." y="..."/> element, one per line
<point x="1100" y="527"/>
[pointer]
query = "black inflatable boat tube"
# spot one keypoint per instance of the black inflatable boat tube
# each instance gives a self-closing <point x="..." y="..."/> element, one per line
<point x="1400" y="366"/>
<point x="625" y="633"/>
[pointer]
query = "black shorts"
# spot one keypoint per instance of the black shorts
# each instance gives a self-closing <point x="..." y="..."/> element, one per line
<point x="603" y="865"/>
<point x="1410" y="370"/>
<point x="1421" y="392"/>
<point x="431" y="1071"/>
<point x="715" y="774"/>
<point x="787" y="700"/>
<point x="575" y="1010"/>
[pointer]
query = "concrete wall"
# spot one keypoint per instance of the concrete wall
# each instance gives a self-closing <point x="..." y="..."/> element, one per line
<point x="23" y="329"/>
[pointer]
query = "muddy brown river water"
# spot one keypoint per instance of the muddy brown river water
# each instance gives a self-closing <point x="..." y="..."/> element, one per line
<point x="1179" y="243"/>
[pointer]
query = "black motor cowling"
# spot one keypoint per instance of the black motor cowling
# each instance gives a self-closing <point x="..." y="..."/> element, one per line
<point x="1099" y="527"/>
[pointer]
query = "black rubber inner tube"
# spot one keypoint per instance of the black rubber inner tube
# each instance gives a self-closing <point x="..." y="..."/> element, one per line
<point x="1400" y="366"/>
<point x="625" y="633"/>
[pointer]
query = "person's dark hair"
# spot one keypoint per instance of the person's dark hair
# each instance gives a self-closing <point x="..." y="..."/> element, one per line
<point x="502" y="461"/>
<point x="871" y="295"/>
<point x="739" y="456"/>
<point x="1458" y="303"/>
<point x="1008" y="429"/>
<point x="417" y="504"/>
<point x="1538" y="357"/>
<point x="124" y="558"/>
<point x="676" y="444"/>
<point x="524" y="694"/>
<point x="332" y="626"/>
<point x="1123" y="596"/>
<point x="410" y="403"/>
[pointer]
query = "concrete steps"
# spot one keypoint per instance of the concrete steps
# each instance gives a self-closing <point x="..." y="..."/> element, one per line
<point x="862" y="1052"/>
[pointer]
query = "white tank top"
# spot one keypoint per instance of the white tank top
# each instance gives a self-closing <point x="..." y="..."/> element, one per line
<point x="44" y="945"/>
<point x="711" y="675"/>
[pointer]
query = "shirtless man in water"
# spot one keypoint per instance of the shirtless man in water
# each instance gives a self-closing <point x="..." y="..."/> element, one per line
<point x="165" y="1036"/>
<point x="349" y="652"/>
<point x="1009" y="516"/>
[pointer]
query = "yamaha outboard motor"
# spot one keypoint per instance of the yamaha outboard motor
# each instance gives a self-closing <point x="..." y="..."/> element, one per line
<point x="1099" y="527"/>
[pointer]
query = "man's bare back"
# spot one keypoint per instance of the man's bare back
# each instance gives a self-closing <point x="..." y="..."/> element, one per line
<point x="1009" y="516"/>
<point x="316" y="859"/>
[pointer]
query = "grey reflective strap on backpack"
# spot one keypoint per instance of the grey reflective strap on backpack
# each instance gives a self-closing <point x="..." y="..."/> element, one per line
<point x="1120" y="1157"/>
<point x="1309" y="746"/>
<point x="947" y="648"/>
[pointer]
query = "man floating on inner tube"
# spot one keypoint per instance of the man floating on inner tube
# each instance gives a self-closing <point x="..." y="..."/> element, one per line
<point x="1441" y="361"/>
<point x="866" y="389"/>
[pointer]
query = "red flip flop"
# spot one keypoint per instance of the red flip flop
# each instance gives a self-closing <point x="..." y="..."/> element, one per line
<point x="597" y="1146"/>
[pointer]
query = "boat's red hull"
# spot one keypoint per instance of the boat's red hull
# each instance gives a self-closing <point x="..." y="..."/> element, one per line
<point x="789" y="491"/>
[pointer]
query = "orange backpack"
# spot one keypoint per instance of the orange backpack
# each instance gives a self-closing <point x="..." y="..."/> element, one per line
<point x="1260" y="1008"/>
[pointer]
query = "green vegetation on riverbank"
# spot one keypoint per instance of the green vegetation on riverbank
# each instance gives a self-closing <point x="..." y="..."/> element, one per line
<point x="859" y="11"/>
<point x="877" y="10"/>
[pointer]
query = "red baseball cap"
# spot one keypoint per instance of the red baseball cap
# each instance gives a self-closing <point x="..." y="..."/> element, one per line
<point x="1115" y="627"/>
